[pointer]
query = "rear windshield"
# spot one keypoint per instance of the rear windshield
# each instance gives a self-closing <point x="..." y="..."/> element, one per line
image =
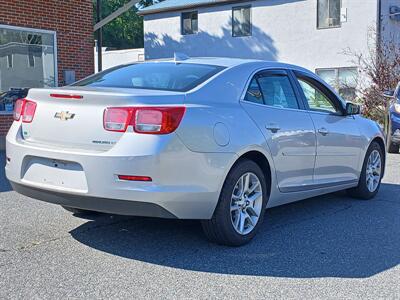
<point x="180" y="77"/>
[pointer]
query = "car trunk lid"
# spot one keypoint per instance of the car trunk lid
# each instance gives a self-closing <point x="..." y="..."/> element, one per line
<point x="72" y="117"/>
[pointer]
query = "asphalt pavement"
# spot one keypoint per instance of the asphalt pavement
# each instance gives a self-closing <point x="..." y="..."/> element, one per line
<point x="326" y="247"/>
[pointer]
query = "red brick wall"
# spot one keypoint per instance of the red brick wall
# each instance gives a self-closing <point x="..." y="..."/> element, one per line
<point x="73" y="22"/>
<point x="5" y="123"/>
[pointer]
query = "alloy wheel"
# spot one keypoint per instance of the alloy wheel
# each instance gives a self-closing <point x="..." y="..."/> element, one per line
<point x="374" y="170"/>
<point x="246" y="203"/>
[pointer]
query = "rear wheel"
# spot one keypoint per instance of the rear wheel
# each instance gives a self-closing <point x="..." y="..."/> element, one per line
<point x="371" y="174"/>
<point x="241" y="206"/>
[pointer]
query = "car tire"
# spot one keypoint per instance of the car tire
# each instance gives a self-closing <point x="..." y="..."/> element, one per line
<point x="391" y="147"/>
<point x="239" y="207"/>
<point x="78" y="211"/>
<point x="365" y="189"/>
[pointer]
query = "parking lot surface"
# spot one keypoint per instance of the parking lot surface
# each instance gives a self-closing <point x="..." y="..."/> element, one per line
<point x="325" y="247"/>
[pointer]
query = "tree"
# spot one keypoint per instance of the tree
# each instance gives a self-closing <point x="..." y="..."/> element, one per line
<point x="126" y="31"/>
<point x="380" y="68"/>
<point x="144" y="3"/>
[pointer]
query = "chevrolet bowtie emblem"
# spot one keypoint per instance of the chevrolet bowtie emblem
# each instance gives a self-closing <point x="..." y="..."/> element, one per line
<point x="64" y="115"/>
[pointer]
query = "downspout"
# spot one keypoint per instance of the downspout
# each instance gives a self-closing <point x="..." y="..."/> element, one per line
<point x="379" y="24"/>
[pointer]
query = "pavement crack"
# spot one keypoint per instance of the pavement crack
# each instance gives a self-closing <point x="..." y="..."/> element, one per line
<point x="47" y="241"/>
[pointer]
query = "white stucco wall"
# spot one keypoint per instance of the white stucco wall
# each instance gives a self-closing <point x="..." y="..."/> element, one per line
<point x="283" y="30"/>
<point x="118" y="57"/>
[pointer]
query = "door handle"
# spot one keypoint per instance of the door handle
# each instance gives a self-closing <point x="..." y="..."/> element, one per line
<point x="323" y="131"/>
<point x="273" y="127"/>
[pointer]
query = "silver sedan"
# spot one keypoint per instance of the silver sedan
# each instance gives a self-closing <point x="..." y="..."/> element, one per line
<point x="214" y="139"/>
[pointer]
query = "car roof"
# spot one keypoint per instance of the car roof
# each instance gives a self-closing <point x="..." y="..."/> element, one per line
<point x="229" y="62"/>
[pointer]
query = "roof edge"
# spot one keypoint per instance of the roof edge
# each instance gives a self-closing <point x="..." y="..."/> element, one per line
<point x="148" y="10"/>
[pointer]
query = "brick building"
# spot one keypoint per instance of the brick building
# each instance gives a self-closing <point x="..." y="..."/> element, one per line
<point x="43" y="43"/>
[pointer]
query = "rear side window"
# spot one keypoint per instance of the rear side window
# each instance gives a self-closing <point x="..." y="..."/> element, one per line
<point x="254" y="93"/>
<point x="180" y="77"/>
<point x="272" y="90"/>
<point x="278" y="91"/>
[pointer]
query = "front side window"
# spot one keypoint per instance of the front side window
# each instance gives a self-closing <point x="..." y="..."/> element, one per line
<point x="316" y="99"/>
<point x="343" y="80"/>
<point x="189" y="22"/>
<point x="241" y="21"/>
<point x="272" y="90"/>
<point x="167" y="76"/>
<point x="328" y="13"/>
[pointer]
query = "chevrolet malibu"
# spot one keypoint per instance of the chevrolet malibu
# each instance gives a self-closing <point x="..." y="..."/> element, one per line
<point x="214" y="139"/>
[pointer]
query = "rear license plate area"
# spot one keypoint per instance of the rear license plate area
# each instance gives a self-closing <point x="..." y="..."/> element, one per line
<point x="52" y="173"/>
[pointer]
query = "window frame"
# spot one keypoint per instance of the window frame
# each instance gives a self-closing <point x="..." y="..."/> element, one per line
<point x="191" y="22"/>
<point x="325" y="90"/>
<point x="329" y="27"/>
<point x="29" y="56"/>
<point x="251" y="20"/>
<point x="275" y="71"/>
<point x="10" y="61"/>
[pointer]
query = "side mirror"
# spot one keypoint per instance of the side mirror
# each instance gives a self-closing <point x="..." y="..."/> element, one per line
<point x="352" y="109"/>
<point x="388" y="94"/>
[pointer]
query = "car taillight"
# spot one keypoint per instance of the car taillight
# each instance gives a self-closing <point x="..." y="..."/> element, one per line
<point x="117" y="119"/>
<point x="18" y="106"/>
<point x="158" y="120"/>
<point x="29" y="111"/>
<point x="146" y="120"/>
<point x="25" y="109"/>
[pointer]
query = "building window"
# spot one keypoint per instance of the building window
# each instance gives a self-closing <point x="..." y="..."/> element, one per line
<point x="344" y="80"/>
<point x="328" y="12"/>
<point x="241" y="21"/>
<point x="10" y="61"/>
<point x="27" y="60"/>
<point x="189" y="23"/>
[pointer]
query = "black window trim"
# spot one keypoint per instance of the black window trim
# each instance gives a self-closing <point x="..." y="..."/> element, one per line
<point x="281" y="72"/>
<point x="329" y="27"/>
<point x="251" y="20"/>
<point x="182" y="27"/>
<point x="337" y="103"/>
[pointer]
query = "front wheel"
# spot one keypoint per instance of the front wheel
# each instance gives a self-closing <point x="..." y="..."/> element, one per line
<point x="392" y="147"/>
<point x="371" y="174"/>
<point x="241" y="206"/>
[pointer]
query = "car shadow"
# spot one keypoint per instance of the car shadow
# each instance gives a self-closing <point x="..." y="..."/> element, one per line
<point x="328" y="236"/>
<point x="4" y="183"/>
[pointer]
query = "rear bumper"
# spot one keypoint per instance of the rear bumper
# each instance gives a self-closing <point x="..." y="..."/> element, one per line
<point x="113" y="206"/>
<point x="185" y="185"/>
